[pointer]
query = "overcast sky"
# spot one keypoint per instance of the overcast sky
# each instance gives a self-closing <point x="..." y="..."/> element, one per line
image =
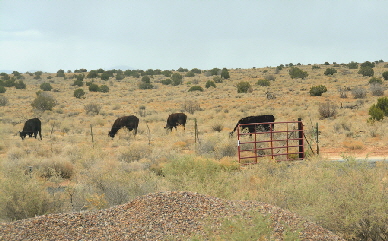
<point x="49" y="35"/>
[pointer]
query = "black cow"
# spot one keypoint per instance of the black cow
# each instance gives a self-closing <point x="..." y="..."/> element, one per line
<point x="31" y="127"/>
<point x="176" y="119"/>
<point x="255" y="119"/>
<point x="131" y="122"/>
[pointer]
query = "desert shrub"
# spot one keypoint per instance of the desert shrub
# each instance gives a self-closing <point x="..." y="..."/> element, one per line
<point x="79" y="93"/>
<point x="366" y="71"/>
<point x="244" y="87"/>
<point x="374" y="80"/>
<point x="92" y="108"/>
<point x="343" y="92"/>
<point x="210" y="83"/>
<point x="217" y="79"/>
<point x="296" y="73"/>
<point x="20" y="85"/>
<point x="382" y="103"/>
<point x="263" y="82"/>
<point x="318" y="90"/>
<point x="189" y="74"/>
<point x="78" y="83"/>
<point x="376" y="114"/>
<point x="3" y="100"/>
<point x="385" y="75"/>
<point x="2" y="89"/>
<point x="330" y="71"/>
<point x="51" y="168"/>
<point x="23" y="197"/>
<point x="327" y="110"/>
<point x="352" y="65"/>
<point x="94" y="88"/>
<point x="167" y="73"/>
<point x="358" y="93"/>
<point x="144" y="85"/>
<point x="315" y="66"/>
<point x="166" y="81"/>
<point x="376" y="89"/>
<point x="92" y="74"/>
<point x="176" y="79"/>
<point x="270" y="77"/>
<point x="120" y="77"/>
<point x="104" y="88"/>
<point x="146" y="79"/>
<point x="217" y="127"/>
<point x="195" y="88"/>
<point x="46" y="87"/>
<point x="215" y="71"/>
<point x="225" y="73"/>
<point x="368" y="64"/>
<point x="191" y="106"/>
<point x="61" y="73"/>
<point x="44" y="101"/>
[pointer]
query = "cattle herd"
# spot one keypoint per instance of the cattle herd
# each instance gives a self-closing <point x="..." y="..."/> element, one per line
<point x="131" y="122"/>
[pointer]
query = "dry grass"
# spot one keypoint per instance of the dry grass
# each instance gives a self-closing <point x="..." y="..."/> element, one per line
<point x="89" y="170"/>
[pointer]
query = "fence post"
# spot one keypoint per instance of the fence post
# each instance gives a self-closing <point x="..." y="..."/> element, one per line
<point x="195" y="130"/>
<point x="300" y="132"/>
<point x="317" y="135"/>
<point x="91" y="132"/>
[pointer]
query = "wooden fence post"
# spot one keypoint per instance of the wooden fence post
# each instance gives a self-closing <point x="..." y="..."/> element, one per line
<point x="91" y="133"/>
<point x="317" y="135"/>
<point x="301" y="144"/>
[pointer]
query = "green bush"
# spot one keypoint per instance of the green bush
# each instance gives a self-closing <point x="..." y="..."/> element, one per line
<point x="20" y="85"/>
<point x="382" y="103"/>
<point x="263" y="82"/>
<point x="104" y="89"/>
<point x="61" y="73"/>
<point x="167" y="73"/>
<point x="376" y="114"/>
<point x="78" y="83"/>
<point x="225" y="73"/>
<point x="367" y="64"/>
<point x="385" y="75"/>
<point x="215" y="71"/>
<point x="375" y="80"/>
<point x="318" y="90"/>
<point x="210" y="83"/>
<point x="166" y="81"/>
<point x="217" y="79"/>
<point x="92" y="74"/>
<point x="244" y="87"/>
<point x="296" y="73"/>
<point x="176" y="79"/>
<point x="44" y="101"/>
<point x="146" y="79"/>
<point x="2" y="89"/>
<point x="196" y="88"/>
<point x="46" y="87"/>
<point x="366" y="71"/>
<point x="94" y="88"/>
<point x="196" y="71"/>
<point x="189" y="74"/>
<point x="330" y="71"/>
<point x="353" y="65"/>
<point x="145" y="86"/>
<point x="79" y="93"/>
<point x="105" y="75"/>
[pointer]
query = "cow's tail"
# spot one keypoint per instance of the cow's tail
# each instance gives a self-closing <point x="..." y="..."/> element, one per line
<point x="235" y="128"/>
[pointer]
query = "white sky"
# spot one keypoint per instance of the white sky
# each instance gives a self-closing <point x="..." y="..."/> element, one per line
<point x="49" y="35"/>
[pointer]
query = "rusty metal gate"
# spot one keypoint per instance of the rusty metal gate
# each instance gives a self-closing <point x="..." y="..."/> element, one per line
<point x="284" y="141"/>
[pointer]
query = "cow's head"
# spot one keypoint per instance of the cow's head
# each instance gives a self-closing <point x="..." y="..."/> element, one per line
<point x="111" y="134"/>
<point x="22" y="134"/>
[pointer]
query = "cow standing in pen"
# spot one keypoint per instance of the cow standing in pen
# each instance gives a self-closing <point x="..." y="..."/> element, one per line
<point x="255" y="119"/>
<point x="176" y="119"/>
<point x="32" y="127"/>
<point x="130" y="122"/>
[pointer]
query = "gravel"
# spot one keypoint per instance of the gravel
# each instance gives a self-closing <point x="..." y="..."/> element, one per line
<point x="157" y="216"/>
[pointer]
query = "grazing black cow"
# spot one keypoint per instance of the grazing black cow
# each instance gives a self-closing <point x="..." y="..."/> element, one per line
<point x="131" y="122"/>
<point x="255" y="119"/>
<point x="176" y="119"/>
<point x="31" y="127"/>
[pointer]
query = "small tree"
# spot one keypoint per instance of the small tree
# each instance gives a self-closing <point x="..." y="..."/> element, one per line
<point x="375" y="80"/>
<point x="318" y="90"/>
<point x="244" y="87"/>
<point x="20" y="85"/>
<point x="146" y="79"/>
<point x="295" y="73"/>
<point x="2" y="89"/>
<point x="45" y="87"/>
<point x="225" y="73"/>
<point x="376" y="114"/>
<point x="166" y="81"/>
<point x="79" y="93"/>
<point x="210" y="83"/>
<point x="368" y="64"/>
<point x="44" y="101"/>
<point x="366" y="71"/>
<point x="189" y="74"/>
<point x="92" y="74"/>
<point x="61" y="73"/>
<point x="382" y="103"/>
<point x="176" y="79"/>
<point x="105" y="75"/>
<point x="330" y="71"/>
<point x="78" y="83"/>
